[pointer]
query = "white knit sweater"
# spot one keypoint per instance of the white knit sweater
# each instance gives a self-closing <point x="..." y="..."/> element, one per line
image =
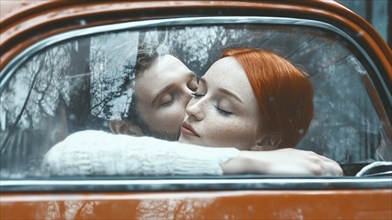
<point x="101" y="153"/>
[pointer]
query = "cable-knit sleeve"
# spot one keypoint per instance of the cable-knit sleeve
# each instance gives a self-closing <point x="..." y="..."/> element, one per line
<point x="101" y="153"/>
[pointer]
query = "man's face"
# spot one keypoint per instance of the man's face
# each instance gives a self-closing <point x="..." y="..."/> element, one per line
<point x="162" y="94"/>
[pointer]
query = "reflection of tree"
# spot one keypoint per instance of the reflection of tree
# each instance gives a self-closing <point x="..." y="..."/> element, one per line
<point x="34" y="92"/>
<point x="9" y="139"/>
<point x="106" y="85"/>
<point x="155" y="208"/>
<point x="23" y="110"/>
<point x="199" y="47"/>
<point x="83" y="82"/>
<point x="34" y="105"/>
<point x="69" y="85"/>
<point x="175" y="208"/>
<point x="108" y="54"/>
<point x="79" y="109"/>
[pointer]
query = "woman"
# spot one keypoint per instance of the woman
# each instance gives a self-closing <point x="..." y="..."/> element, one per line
<point x="249" y="99"/>
<point x="252" y="100"/>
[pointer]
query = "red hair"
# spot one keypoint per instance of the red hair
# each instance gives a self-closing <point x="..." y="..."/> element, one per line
<point x="283" y="92"/>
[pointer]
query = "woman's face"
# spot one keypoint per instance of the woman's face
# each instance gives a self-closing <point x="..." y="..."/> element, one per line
<point x="223" y="111"/>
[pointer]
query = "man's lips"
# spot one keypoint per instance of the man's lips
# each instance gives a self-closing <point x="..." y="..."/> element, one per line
<point x="187" y="129"/>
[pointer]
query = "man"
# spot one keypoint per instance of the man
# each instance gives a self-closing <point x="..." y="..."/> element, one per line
<point x="163" y="88"/>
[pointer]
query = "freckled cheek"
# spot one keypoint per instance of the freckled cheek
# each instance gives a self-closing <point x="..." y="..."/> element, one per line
<point x="228" y="131"/>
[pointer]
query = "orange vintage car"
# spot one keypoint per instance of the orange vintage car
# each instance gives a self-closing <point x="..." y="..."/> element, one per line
<point x="61" y="62"/>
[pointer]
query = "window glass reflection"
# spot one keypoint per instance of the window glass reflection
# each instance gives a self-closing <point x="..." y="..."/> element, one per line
<point x="82" y="83"/>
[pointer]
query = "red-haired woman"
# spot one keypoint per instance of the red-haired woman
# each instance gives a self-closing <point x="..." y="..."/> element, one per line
<point x="252" y="100"/>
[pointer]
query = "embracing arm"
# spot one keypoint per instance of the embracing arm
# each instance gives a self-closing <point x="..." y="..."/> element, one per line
<point x="101" y="153"/>
<point x="283" y="161"/>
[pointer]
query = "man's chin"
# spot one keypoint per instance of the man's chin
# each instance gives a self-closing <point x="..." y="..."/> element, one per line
<point x="164" y="135"/>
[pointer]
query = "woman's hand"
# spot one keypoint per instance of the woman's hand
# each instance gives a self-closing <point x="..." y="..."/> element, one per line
<point x="285" y="161"/>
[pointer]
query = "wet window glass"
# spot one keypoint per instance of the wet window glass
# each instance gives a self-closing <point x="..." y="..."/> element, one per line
<point x="82" y="83"/>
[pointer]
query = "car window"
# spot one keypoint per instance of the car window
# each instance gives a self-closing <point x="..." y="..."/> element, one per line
<point x="81" y="79"/>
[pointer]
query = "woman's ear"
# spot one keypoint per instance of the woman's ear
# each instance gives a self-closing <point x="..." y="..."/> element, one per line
<point x="124" y="127"/>
<point x="267" y="142"/>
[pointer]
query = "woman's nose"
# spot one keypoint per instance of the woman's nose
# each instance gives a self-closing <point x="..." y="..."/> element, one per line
<point x="194" y="110"/>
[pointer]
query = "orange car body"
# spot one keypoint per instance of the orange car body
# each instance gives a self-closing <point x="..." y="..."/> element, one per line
<point x="25" y="23"/>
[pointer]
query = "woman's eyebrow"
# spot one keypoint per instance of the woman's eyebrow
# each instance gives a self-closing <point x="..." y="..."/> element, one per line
<point x="227" y="92"/>
<point x="222" y="90"/>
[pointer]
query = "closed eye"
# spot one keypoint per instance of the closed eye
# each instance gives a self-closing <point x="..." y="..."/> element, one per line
<point x="197" y="95"/>
<point x="167" y="101"/>
<point x="223" y="111"/>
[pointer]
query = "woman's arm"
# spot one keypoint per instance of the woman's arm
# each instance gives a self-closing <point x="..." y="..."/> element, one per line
<point x="283" y="161"/>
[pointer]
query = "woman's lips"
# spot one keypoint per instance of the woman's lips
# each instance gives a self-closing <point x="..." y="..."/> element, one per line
<point x="187" y="129"/>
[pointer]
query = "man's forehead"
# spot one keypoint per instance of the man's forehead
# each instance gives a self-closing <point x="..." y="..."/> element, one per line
<point x="164" y="66"/>
<point x="165" y="71"/>
<point x="168" y="62"/>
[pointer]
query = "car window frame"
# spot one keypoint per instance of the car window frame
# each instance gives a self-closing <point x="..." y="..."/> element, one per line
<point x="186" y="182"/>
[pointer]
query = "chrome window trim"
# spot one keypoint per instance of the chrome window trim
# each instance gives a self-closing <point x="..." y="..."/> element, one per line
<point x="14" y="64"/>
<point x="105" y="184"/>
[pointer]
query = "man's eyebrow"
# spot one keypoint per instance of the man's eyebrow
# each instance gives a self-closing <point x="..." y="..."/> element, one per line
<point x="162" y="92"/>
